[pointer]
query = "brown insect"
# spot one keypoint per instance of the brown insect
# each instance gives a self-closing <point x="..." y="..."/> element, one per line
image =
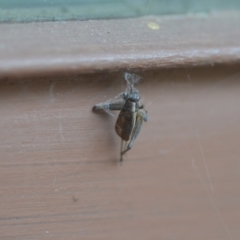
<point x="131" y="116"/>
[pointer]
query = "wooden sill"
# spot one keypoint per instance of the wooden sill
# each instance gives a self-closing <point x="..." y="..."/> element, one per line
<point x="56" y="48"/>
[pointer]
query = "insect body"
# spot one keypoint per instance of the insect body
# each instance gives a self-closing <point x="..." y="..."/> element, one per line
<point x="130" y="118"/>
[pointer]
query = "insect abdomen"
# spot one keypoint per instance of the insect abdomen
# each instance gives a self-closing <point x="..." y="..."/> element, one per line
<point x="126" y="121"/>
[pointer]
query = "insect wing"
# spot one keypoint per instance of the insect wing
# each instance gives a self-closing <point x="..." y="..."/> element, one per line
<point x="131" y="78"/>
<point x="125" y="124"/>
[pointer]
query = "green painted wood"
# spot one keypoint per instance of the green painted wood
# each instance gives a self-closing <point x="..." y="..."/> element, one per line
<point x="57" y="10"/>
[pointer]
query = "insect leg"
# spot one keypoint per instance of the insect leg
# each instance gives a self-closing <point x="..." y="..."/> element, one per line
<point x="141" y="116"/>
<point x="122" y="147"/>
<point x="115" y="105"/>
<point x="143" y="112"/>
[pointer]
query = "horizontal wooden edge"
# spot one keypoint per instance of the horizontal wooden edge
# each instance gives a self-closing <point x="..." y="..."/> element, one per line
<point x="56" y="48"/>
<point x="48" y="66"/>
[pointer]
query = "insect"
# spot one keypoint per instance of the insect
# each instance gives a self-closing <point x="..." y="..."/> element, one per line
<point x="131" y="116"/>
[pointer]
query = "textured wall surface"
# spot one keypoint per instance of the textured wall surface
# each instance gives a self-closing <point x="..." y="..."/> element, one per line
<point x="59" y="172"/>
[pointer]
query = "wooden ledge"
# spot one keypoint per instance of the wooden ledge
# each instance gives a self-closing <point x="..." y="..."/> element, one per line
<point x="54" y="48"/>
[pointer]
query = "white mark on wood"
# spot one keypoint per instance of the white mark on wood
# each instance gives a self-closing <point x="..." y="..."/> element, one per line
<point x="215" y="207"/>
<point x="57" y="189"/>
<point x="204" y="160"/>
<point x="221" y="217"/>
<point x="193" y="164"/>
<point x="209" y="196"/>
